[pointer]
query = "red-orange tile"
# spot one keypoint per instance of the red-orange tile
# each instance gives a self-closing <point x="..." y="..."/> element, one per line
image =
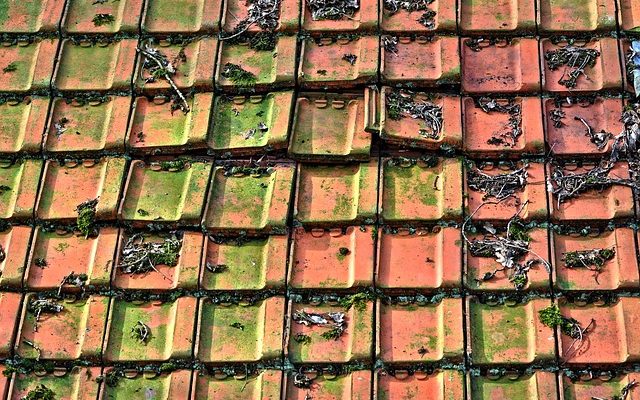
<point x="183" y="275"/>
<point x="70" y="252"/>
<point x="240" y="333"/>
<point x="14" y="242"/>
<point x="33" y="61"/>
<point x="21" y="177"/>
<point x="171" y="325"/>
<point x="22" y="124"/>
<point x="9" y="318"/>
<point x="604" y="75"/>
<point x="336" y="195"/>
<point x="235" y="11"/>
<point x="621" y="272"/>
<point x="630" y="15"/>
<point x="4" y="381"/>
<point x="31" y="17"/>
<point x="72" y="383"/>
<point x="539" y="385"/>
<point x="508" y="334"/>
<point x="330" y="127"/>
<point x="422" y="61"/>
<point x="613" y="202"/>
<point x="95" y="67"/>
<point x="246" y="202"/>
<point x="154" y="129"/>
<point x="505" y="67"/>
<point x="438" y="385"/>
<point x="605" y="386"/>
<point x="365" y="19"/>
<point x="65" y="186"/>
<point x="571" y="139"/>
<point x="404" y="21"/>
<point x="420" y="333"/>
<point x="355" y="343"/>
<point x="75" y="332"/>
<point x="562" y="16"/>
<point x="412" y="190"/>
<point x="489" y="134"/>
<point x="420" y="260"/>
<point x="80" y="15"/>
<point x="353" y="386"/>
<point x="254" y="264"/>
<point x="332" y="258"/>
<point x="323" y="62"/>
<point x="185" y="16"/>
<point x="505" y="16"/>
<point x="88" y="126"/>
<point x="265" y="385"/>
<point x="173" y="385"/>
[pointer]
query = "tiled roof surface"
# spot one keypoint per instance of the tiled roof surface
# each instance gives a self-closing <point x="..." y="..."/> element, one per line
<point x="363" y="207"/>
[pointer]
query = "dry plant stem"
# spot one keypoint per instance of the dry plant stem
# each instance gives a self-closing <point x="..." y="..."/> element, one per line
<point x="185" y="105"/>
<point x="576" y="344"/>
<point x="35" y="347"/>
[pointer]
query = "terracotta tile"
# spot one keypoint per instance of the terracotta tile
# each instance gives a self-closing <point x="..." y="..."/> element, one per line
<point x="422" y="61"/>
<point x="323" y="62"/>
<point x="196" y="73"/>
<point x="508" y="334"/>
<point x="4" y="381"/>
<point x="405" y="21"/>
<point x="250" y="203"/>
<point x="420" y="260"/>
<point x="65" y="186"/>
<point x="353" y="386"/>
<point x="95" y="126"/>
<point x="604" y="75"/>
<point x="76" y="383"/>
<point x="256" y="336"/>
<point x="489" y="134"/>
<point x="406" y="131"/>
<point x="562" y="16"/>
<point x="73" y="333"/>
<point x="330" y="127"/>
<point x="14" y="241"/>
<point x="610" y="340"/>
<point x="440" y="385"/>
<point x="355" y="343"/>
<point x="66" y="253"/>
<point x="365" y="19"/>
<point x="21" y="177"/>
<point x="171" y="325"/>
<point x="165" y="386"/>
<point x="332" y="258"/>
<point x="31" y="17"/>
<point x="33" y="61"/>
<point x="86" y="67"/>
<point x="621" y="272"/>
<point x="179" y="200"/>
<point x="505" y="16"/>
<point x="533" y="192"/>
<point x="420" y="333"/>
<point x="236" y="10"/>
<point x="506" y="67"/>
<point x="630" y="15"/>
<point x="336" y="195"/>
<point x="539" y="385"/>
<point x="265" y="385"/>
<point x="604" y="388"/>
<point x="234" y="117"/>
<point x="270" y="71"/>
<point x="256" y="264"/>
<point x="9" y="317"/>
<point x="183" y="275"/>
<point x="537" y="276"/>
<point x="183" y="16"/>
<point x="609" y="203"/>
<point x="79" y="17"/>
<point x="416" y="192"/>
<point x="22" y="125"/>
<point x="155" y="129"/>
<point x="571" y="138"/>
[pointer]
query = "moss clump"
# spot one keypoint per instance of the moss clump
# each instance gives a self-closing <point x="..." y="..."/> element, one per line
<point x="302" y="338"/>
<point x="176" y="165"/>
<point x="10" y="68"/>
<point x="357" y="301"/>
<point x="332" y="334"/>
<point x="103" y="19"/>
<point x="87" y="217"/>
<point x="552" y="318"/>
<point x="263" y="41"/>
<point x="41" y="392"/>
<point x="591" y="259"/>
<point x="518" y="231"/>
<point x="237" y="325"/>
<point x="239" y="76"/>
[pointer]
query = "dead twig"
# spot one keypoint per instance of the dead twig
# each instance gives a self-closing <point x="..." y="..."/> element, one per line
<point x="159" y="66"/>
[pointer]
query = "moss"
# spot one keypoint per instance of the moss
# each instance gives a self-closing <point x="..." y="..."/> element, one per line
<point x="358" y="301"/>
<point x="87" y="217"/>
<point x="343" y="252"/>
<point x="302" y="338"/>
<point x="552" y="318"/>
<point x="239" y="76"/>
<point x="41" y="392"/>
<point x="103" y="19"/>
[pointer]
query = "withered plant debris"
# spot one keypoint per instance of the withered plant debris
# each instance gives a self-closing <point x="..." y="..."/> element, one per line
<point x="40" y="392"/>
<point x="87" y="217"/>
<point x="140" y="257"/>
<point x="600" y="139"/>
<point x="142" y="212"/>
<point x="350" y="58"/>
<point x="263" y="13"/>
<point x="552" y="318"/>
<point x="574" y="60"/>
<point x="422" y="351"/>
<point x="73" y="279"/>
<point x="632" y="58"/>
<point x="513" y="131"/>
<point x="40" y="262"/>
<point x="37" y="307"/>
<point x="4" y="189"/>
<point x="499" y="186"/>
<point x="302" y="381"/>
<point x="624" y="392"/>
<point x="402" y="103"/>
<point x="216" y="268"/>
<point x="61" y="126"/>
<point x="593" y="260"/>
<point x="332" y="9"/>
<point x="141" y="332"/>
<point x="479" y="43"/>
<point x="343" y="251"/>
<point x="302" y="338"/>
<point x="3" y="254"/>
<point x="389" y="43"/>
<point x="237" y="325"/>
<point x="172" y="166"/>
<point x="557" y="115"/>
<point x="238" y="75"/>
<point x="103" y="19"/>
<point x="35" y="347"/>
<point x="252" y="169"/>
<point x="158" y="66"/>
<point x="427" y="19"/>
<point x="628" y="141"/>
<point x="334" y="321"/>
<point x="249" y="133"/>
<point x="11" y="67"/>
